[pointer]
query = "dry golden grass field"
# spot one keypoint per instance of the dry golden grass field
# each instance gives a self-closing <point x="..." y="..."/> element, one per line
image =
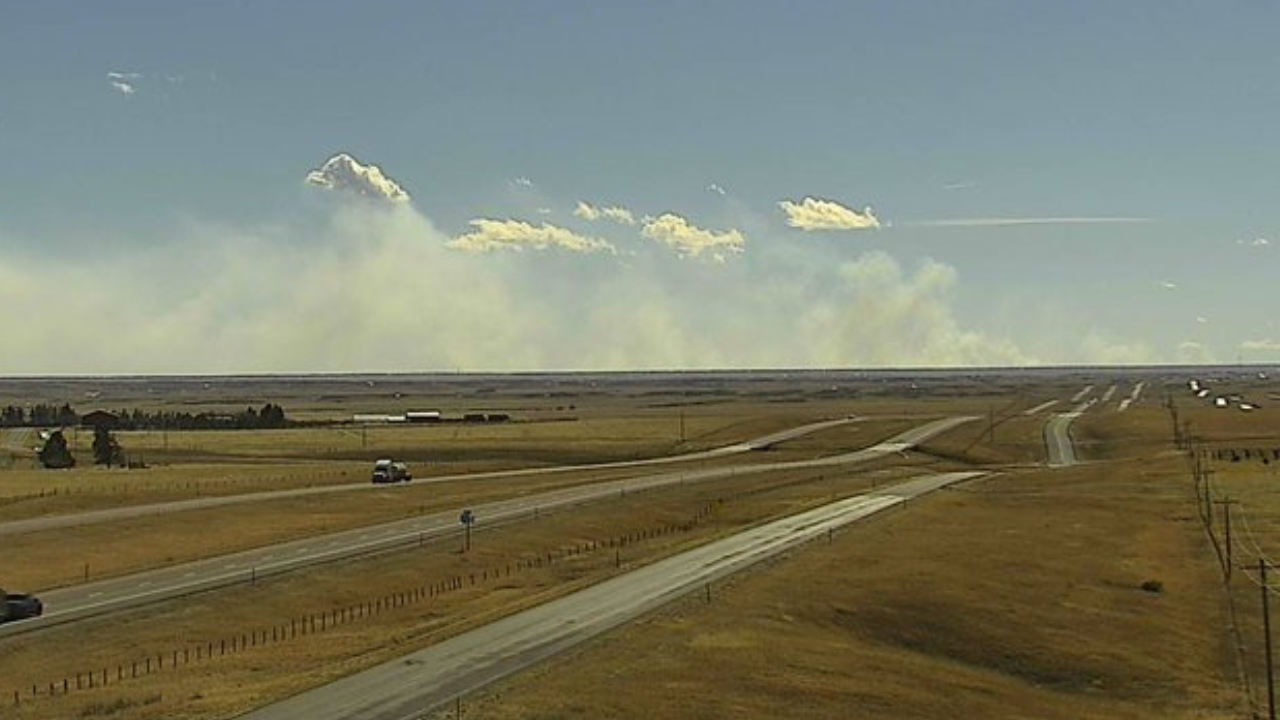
<point x="1016" y="596"/>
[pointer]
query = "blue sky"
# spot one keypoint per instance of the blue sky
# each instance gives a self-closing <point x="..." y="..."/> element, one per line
<point x="1158" y="117"/>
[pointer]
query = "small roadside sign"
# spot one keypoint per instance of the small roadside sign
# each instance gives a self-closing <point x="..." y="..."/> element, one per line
<point x="467" y="518"/>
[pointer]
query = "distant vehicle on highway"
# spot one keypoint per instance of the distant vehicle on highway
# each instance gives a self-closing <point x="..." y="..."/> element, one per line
<point x="390" y="471"/>
<point x="19" y="607"/>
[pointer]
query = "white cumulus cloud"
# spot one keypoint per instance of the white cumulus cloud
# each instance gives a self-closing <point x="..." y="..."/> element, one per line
<point x="818" y="214"/>
<point x="343" y="172"/>
<point x="616" y="213"/>
<point x="690" y="240"/>
<point x="490" y="235"/>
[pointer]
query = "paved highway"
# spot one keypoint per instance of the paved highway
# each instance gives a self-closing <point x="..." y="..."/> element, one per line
<point x="408" y="687"/>
<point x="115" y="594"/>
<point x="1057" y="434"/>
<point x="1082" y="394"/>
<point x="1133" y="396"/>
<point x="134" y="511"/>
<point x="1057" y="438"/>
<point x="1040" y="408"/>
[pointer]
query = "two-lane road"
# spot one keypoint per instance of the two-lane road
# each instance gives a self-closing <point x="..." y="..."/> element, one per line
<point x="115" y="594"/>
<point x="135" y="511"/>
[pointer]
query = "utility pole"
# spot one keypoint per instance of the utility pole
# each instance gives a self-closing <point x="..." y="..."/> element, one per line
<point x="1226" y="504"/>
<point x="1266" y="632"/>
<point x="1208" y="502"/>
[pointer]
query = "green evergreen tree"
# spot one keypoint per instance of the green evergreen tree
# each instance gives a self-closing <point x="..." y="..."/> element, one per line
<point x="106" y="451"/>
<point x="55" y="454"/>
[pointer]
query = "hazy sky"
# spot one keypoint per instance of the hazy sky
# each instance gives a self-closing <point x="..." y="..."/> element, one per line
<point x="1053" y="183"/>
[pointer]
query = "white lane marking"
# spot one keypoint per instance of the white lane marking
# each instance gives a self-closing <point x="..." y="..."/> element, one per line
<point x="1081" y="395"/>
<point x="1041" y="407"/>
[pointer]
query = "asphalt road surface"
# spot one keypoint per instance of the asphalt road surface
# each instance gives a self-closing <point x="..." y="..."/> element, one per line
<point x="1057" y="438"/>
<point x="135" y="511"/>
<point x="116" y="594"/>
<point x="408" y="687"/>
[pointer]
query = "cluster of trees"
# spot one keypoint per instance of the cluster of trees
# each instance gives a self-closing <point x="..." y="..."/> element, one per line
<point x="37" y="415"/>
<point x="56" y="455"/>
<point x="269" y="416"/>
<point x="266" y="417"/>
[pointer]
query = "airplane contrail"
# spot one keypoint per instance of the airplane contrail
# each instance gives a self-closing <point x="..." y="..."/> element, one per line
<point x="1014" y="221"/>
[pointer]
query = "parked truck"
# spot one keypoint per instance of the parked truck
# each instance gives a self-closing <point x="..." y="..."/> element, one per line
<point x="390" y="471"/>
<point x="14" y="606"/>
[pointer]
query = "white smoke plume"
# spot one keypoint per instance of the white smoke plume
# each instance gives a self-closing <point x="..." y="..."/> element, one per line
<point x="375" y="287"/>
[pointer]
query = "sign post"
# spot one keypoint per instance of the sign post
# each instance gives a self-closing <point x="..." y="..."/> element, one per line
<point x="467" y="519"/>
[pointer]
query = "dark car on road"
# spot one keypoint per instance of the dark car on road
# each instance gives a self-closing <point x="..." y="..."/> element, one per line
<point x="15" y="606"/>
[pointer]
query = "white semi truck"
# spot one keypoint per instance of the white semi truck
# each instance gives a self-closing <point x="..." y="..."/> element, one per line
<point x="390" y="471"/>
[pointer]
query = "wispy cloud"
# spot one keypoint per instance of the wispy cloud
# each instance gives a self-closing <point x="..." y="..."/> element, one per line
<point x="1193" y="352"/>
<point x="715" y="188"/>
<point x="522" y="182"/>
<point x="1256" y="242"/>
<point x="1168" y="285"/>
<point x="690" y="240"/>
<point x="616" y="213"/>
<point x="1016" y="221"/>
<point x="959" y="185"/>
<point x="490" y="235"/>
<point x="124" y="83"/>
<point x="1266" y="344"/>
<point x="818" y="214"/>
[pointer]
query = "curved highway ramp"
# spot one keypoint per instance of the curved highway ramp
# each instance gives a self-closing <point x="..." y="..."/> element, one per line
<point x="415" y="684"/>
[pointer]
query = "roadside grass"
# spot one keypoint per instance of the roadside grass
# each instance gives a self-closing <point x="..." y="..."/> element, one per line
<point x="1237" y="450"/>
<point x="1018" y="596"/>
